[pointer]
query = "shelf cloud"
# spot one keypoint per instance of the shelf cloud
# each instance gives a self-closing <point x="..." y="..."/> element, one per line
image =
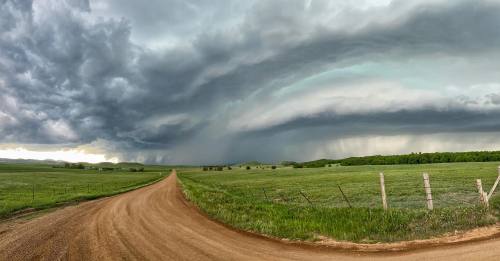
<point x="203" y="82"/>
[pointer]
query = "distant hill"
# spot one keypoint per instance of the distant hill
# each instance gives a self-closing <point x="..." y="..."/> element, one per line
<point x="30" y="161"/>
<point x="316" y="163"/>
<point x="117" y="165"/>
<point x="252" y="163"/>
<point x="56" y="162"/>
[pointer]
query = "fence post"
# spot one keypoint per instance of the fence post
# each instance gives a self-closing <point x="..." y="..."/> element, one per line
<point x="483" y="197"/>
<point x="33" y="193"/>
<point x="345" y="198"/>
<point x="479" y="187"/>
<point x="382" y="191"/>
<point x="265" y="194"/>
<point x="428" y="193"/>
<point x="494" y="185"/>
<point x="304" y="195"/>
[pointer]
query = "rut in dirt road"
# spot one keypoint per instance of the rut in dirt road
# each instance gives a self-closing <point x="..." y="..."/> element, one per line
<point x="156" y="223"/>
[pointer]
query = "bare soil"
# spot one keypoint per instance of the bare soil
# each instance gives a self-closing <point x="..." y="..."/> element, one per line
<point x="157" y="223"/>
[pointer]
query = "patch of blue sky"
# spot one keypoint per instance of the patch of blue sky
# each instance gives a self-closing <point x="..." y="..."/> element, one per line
<point x="411" y="75"/>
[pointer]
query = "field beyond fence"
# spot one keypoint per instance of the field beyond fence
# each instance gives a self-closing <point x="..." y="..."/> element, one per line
<point x="262" y="200"/>
<point x="24" y="186"/>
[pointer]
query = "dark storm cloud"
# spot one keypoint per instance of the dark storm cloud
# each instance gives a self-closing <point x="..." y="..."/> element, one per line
<point x="464" y="28"/>
<point x="67" y="76"/>
<point x="389" y="123"/>
<point x="436" y="29"/>
<point x="80" y="73"/>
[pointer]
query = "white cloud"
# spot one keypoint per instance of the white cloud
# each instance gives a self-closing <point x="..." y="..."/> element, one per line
<point x="69" y="155"/>
<point x="59" y="130"/>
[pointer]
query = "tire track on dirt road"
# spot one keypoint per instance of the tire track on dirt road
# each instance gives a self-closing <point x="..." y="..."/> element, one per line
<point x="157" y="223"/>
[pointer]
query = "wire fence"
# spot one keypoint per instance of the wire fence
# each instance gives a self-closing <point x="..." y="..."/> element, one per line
<point x="399" y="193"/>
<point x="21" y="195"/>
<point x="40" y="191"/>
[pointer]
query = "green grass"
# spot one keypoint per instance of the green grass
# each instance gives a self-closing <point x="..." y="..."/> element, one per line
<point x="53" y="186"/>
<point x="270" y="202"/>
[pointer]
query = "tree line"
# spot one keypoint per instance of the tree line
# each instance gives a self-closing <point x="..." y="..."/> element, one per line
<point x="413" y="158"/>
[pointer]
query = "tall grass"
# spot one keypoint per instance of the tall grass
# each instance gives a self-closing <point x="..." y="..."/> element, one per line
<point x="270" y="202"/>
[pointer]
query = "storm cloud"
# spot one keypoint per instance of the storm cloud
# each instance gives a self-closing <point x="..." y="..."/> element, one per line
<point x="203" y="82"/>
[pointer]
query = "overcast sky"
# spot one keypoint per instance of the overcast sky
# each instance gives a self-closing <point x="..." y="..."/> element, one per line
<point x="184" y="81"/>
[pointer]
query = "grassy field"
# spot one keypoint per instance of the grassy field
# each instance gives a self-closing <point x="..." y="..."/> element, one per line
<point x="307" y="203"/>
<point x="40" y="186"/>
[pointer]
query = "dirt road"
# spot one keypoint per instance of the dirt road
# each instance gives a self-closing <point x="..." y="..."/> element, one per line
<point x="156" y="223"/>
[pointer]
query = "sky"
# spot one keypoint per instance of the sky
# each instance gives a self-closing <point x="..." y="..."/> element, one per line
<point x="199" y="82"/>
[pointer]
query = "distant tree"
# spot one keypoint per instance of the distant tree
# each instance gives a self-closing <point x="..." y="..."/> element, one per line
<point x="412" y="158"/>
<point x="248" y="167"/>
<point x="273" y="167"/>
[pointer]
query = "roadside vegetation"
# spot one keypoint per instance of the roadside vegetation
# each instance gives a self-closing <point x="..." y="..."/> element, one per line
<point x="307" y="204"/>
<point x="40" y="186"/>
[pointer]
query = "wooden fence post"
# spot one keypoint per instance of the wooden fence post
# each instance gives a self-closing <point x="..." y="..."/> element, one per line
<point x="382" y="191"/>
<point x="483" y="197"/>
<point x="479" y="187"/>
<point x="494" y="185"/>
<point x="265" y="194"/>
<point x="345" y="198"/>
<point x="304" y="195"/>
<point x="428" y="193"/>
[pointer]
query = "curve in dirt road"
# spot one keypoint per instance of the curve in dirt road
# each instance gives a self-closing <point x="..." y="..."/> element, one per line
<point x="157" y="223"/>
